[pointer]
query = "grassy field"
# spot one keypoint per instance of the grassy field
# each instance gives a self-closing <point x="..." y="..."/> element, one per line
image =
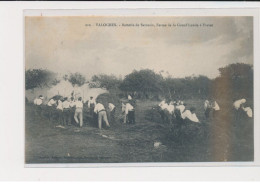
<point x="212" y="140"/>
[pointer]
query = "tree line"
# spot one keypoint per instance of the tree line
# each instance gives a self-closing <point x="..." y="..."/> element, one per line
<point x="234" y="80"/>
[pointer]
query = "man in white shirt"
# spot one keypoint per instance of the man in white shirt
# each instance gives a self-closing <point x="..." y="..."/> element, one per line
<point x="51" y="108"/>
<point x="79" y="112"/>
<point x="215" y="108"/>
<point x="91" y="105"/>
<point x="66" y="111"/>
<point x="181" y="107"/>
<point x="38" y="102"/>
<point x="112" y="111"/>
<point x="102" y="115"/>
<point x="59" y="110"/>
<point x="248" y="111"/>
<point x="237" y="104"/>
<point x="130" y="113"/>
<point x="162" y="110"/>
<point x="170" y="112"/>
<point x="72" y="110"/>
<point x="189" y="115"/>
<point x="238" y="109"/>
<point x="207" y="108"/>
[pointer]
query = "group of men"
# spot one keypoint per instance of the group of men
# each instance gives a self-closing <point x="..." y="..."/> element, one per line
<point x="177" y="111"/>
<point x="68" y="109"/>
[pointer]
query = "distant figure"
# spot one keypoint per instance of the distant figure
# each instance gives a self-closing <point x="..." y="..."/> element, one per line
<point x="91" y="105"/>
<point x="66" y="111"/>
<point x="130" y="113"/>
<point x="190" y="116"/>
<point x="38" y="103"/>
<point x="102" y="115"/>
<point x="162" y="107"/>
<point x="238" y="109"/>
<point x="237" y="104"/>
<point x="129" y="97"/>
<point x="72" y="110"/>
<point x="207" y="108"/>
<point x="79" y="112"/>
<point x="60" y="110"/>
<point x="51" y="107"/>
<point x="248" y="111"/>
<point x="215" y="108"/>
<point x="123" y="112"/>
<point x="170" y="112"/>
<point x="181" y="107"/>
<point x="112" y="111"/>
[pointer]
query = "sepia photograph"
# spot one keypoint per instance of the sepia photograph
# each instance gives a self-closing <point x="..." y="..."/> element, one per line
<point x="138" y="89"/>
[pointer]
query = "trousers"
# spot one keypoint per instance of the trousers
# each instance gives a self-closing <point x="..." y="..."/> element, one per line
<point x="102" y="116"/>
<point x="79" y="113"/>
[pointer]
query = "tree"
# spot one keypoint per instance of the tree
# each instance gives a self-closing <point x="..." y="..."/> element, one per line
<point x="106" y="81"/>
<point x="39" y="78"/>
<point x="235" y="80"/>
<point x="77" y="78"/>
<point x="144" y="81"/>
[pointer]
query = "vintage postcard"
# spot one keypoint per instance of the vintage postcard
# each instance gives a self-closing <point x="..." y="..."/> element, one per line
<point x="139" y="89"/>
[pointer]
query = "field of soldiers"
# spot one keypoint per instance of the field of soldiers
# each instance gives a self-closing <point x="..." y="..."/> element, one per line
<point x="219" y="138"/>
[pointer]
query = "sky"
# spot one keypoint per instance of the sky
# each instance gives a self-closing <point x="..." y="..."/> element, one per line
<point x="66" y="44"/>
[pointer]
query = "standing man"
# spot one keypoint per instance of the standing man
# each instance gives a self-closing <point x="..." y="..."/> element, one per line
<point x="130" y="112"/>
<point x="66" y="111"/>
<point x="72" y="110"/>
<point x="170" y="112"/>
<point x="238" y="106"/>
<point x="38" y="103"/>
<point x="91" y="106"/>
<point x="79" y="112"/>
<point x="112" y="111"/>
<point x="162" y="106"/>
<point x="102" y="115"/>
<point x="207" y="108"/>
<point x="51" y="107"/>
<point x="60" y="110"/>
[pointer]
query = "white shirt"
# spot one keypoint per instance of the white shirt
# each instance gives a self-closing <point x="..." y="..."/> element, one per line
<point x="238" y="103"/>
<point x="72" y="104"/>
<point x="190" y="116"/>
<point x="99" y="107"/>
<point x="51" y="102"/>
<point x="129" y="97"/>
<point x="128" y="107"/>
<point x="37" y="101"/>
<point x="111" y="106"/>
<point x="79" y="104"/>
<point x="91" y="101"/>
<point x="164" y="106"/>
<point x="181" y="108"/>
<point x="248" y="111"/>
<point x="66" y="104"/>
<point x="59" y="105"/>
<point x="161" y="103"/>
<point x="216" y="106"/>
<point x="206" y="105"/>
<point x="123" y="107"/>
<point x="170" y="108"/>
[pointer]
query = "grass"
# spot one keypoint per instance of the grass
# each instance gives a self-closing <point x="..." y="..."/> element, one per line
<point x="213" y="140"/>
